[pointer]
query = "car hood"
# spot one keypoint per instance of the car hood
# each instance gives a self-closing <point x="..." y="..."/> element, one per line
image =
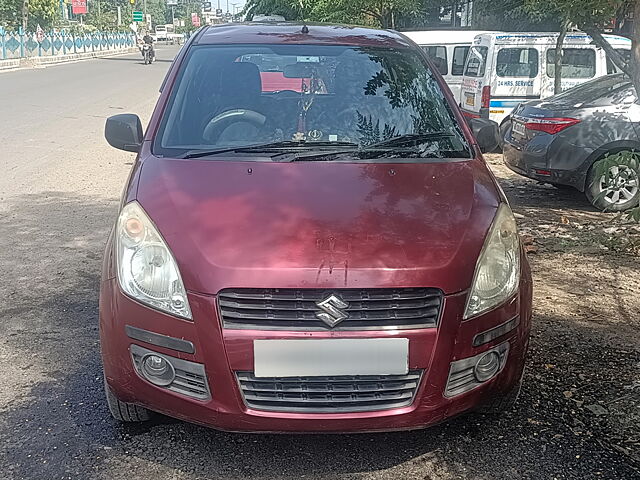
<point x="320" y="224"/>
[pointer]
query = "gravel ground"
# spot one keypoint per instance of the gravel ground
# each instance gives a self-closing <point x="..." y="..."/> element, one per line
<point x="578" y="416"/>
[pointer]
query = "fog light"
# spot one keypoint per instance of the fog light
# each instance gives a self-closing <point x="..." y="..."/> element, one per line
<point x="487" y="366"/>
<point x="157" y="370"/>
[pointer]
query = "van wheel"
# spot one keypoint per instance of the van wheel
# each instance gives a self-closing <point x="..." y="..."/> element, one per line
<point x="616" y="192"/>
<point x="125" y="412"/>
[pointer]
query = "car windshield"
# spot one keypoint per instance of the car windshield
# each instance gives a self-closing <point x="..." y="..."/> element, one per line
<point x="340" y="97"/>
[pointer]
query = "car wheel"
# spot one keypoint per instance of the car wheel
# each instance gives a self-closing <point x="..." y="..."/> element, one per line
<point x="616" y="192"/>
<point x="502" y="403"/>
<point x="125" y="412"/>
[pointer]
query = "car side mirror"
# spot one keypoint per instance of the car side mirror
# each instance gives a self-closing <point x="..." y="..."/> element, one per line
<point x="124" y="132"/>
<point x="486" y="132"/>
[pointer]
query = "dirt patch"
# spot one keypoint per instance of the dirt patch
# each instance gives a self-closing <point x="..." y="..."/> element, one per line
<point x="585" y="362"/>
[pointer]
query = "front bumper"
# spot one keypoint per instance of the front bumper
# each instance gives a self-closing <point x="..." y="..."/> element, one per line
<point x="225" y="352"/>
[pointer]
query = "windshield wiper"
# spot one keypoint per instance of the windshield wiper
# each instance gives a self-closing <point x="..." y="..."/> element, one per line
<point x="408" y="139"/>
<point x="278" y="148"/>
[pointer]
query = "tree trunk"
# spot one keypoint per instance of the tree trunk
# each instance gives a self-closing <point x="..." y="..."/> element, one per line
<point x="599" y="40"/>
<point x="25" y="14"/>
<point x="557" y="81"/>
<point x="635" y="48"/>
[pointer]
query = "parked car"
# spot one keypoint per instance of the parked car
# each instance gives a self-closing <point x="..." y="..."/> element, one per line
<point x="448" y="50"/>
<point x="337" y="259"/>
<point x="506" y="69"/>
<point x="561" y="140"/>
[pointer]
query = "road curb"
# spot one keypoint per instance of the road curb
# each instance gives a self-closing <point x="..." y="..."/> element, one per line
<point x="32" y="62"/>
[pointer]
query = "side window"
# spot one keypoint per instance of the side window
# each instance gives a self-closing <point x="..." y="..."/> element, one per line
<point x="438" y="55"/>
<point x="459" y="58"/>
<point x="476" y="62"/>
<point x="625" y="54"/>
<point x="576" y="63"/>
<point x="517" y="62"/>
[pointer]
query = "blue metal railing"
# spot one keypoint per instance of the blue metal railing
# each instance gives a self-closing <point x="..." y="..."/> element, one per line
<point x="20" y="45"/>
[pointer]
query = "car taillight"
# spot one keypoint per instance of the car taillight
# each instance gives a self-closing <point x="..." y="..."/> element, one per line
<point x="486" y="97"/>
<point x="550" y="125"/>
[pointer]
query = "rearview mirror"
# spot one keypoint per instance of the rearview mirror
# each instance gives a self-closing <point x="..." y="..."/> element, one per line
<point x="124" y="132"/>
<point x="486" y="132"/>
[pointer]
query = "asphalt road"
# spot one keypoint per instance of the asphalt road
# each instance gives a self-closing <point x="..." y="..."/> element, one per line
<point x="59" y="190"/>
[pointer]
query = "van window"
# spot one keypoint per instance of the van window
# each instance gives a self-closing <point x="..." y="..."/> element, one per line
<point x="476" y="62"/>
<point x="459" y="57"/>
<point x="626" y="56"/>
<point x="576" y="63"/>
<point x="517" y="62"/>
<point x="438" y="55"/>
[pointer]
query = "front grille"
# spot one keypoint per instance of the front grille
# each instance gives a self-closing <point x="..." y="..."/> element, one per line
<point x="337" y="394"/>
<point x="296" y="309"/>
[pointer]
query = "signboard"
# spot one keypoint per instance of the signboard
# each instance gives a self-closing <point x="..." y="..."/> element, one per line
<point x="195" y="19"/>
<point x="172" y="3"/>
<point x="219" y="12"/>
<point x="79" y="7"/>
<point x="39" y="34"/>
<point x="206" y="6"/>
<point x="137" y="16"/>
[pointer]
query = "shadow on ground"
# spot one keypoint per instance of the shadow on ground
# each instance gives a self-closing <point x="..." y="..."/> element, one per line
<point x="57" y="425"/>
<point x="135" y="59"/>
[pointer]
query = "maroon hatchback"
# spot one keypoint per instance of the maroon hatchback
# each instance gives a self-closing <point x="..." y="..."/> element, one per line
<point x="327" y="252"/>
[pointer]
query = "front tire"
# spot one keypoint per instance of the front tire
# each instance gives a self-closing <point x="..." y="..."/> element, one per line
<point x="616" y="192"/>
<point x="503" y="403"/>
<point x="125" y="412"/>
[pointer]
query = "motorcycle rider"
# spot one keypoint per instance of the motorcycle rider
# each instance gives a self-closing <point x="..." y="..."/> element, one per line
<point x="148" y="40"/>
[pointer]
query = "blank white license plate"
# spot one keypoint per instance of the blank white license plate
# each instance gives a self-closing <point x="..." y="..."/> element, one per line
<point x="358" y="356"/>
<point x="518" y="127"/>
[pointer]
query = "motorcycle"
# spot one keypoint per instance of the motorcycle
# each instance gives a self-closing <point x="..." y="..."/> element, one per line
<point x="147" y="54"/>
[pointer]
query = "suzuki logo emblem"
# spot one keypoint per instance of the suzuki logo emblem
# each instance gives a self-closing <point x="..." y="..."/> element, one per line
<point x="333" y="310"/>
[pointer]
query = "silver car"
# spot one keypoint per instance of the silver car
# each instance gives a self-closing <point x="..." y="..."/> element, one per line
<point x="561" y="139"/>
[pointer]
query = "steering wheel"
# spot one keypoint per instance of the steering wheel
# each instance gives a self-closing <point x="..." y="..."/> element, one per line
<point x="220" y="122"/>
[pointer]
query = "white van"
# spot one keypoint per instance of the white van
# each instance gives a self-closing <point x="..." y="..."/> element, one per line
<point x="505" y="69"/>
<point x="448" y="50"/>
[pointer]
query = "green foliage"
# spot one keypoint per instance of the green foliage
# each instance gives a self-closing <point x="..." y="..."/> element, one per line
<point x="381" y="13"/>
<point x="43" y="13"/>
<point x="10" y="13"/>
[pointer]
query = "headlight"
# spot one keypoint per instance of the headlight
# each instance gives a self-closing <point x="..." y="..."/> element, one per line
<point x="147" y="270"/>
<point x="498" y="269"/>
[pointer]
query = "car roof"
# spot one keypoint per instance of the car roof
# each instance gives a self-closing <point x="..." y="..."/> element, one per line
<point x="270" y="33"/>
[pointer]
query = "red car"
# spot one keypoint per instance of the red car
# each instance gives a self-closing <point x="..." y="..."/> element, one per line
<point x="333" y="259"/>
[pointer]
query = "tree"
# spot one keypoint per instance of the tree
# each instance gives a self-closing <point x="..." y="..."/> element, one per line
<point x="10" y="13"/>
<point x="590" y="16"/>
<point x="43" y="13"/>
<point x="379" y="13"/>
